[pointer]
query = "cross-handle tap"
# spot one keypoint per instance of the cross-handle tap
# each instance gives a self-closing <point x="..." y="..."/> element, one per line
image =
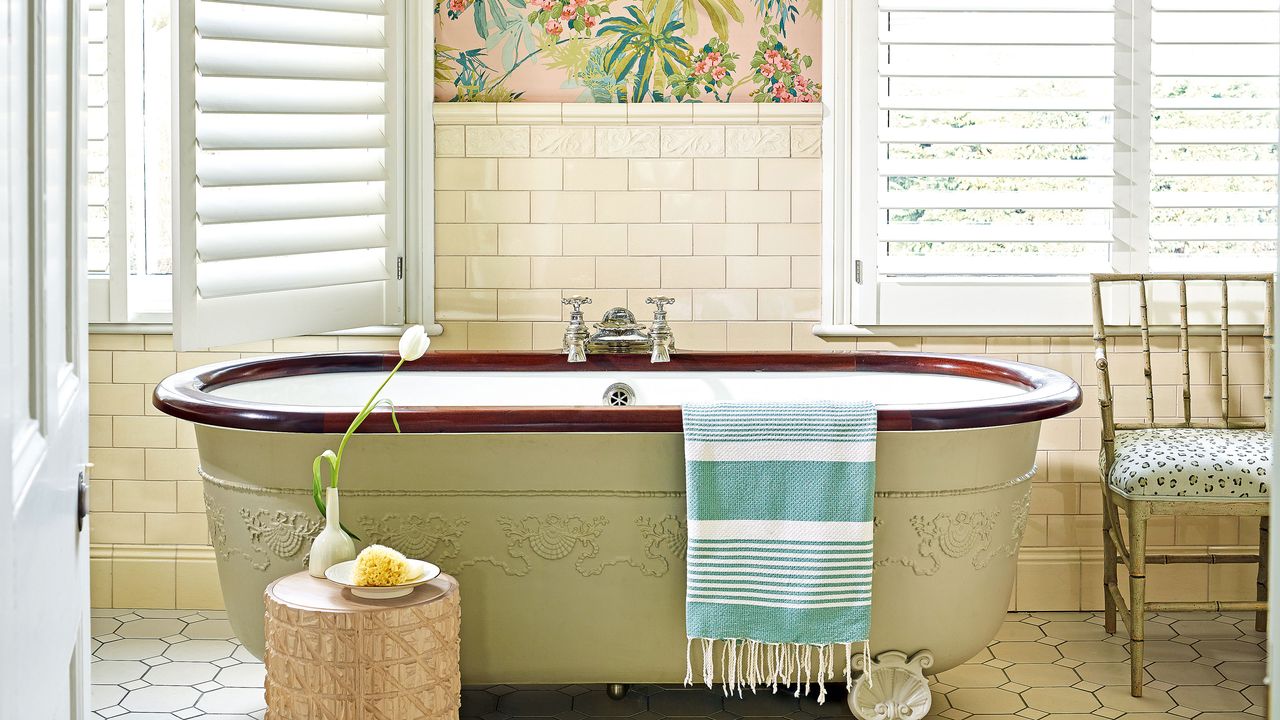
<point x="575" y="335"/>
<point x="664" y="341"/>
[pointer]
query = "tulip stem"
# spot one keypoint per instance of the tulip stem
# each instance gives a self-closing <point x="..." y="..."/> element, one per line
<point x="364" y="413"/>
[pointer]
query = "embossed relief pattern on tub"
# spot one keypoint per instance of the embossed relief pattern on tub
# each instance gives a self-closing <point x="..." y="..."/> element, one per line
<point x="550" y="537"/>
<point x="956" y="536"/>
<point x="279" y="533"/>
<point x="430" y="537"/>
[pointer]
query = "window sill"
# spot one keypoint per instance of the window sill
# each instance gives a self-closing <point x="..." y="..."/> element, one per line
<point x="854" y="331"/>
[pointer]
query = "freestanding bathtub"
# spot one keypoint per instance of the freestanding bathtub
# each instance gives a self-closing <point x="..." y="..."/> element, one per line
<point x="563" y="516"/>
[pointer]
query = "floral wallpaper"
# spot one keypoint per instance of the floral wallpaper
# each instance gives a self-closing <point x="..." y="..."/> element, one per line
<point x="612" y="51"/>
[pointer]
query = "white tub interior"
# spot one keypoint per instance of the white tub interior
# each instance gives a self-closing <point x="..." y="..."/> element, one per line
<point x="533" y="389"/>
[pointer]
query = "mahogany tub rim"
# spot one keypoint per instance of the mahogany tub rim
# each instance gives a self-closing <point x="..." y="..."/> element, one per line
<point x="187" y="395"/>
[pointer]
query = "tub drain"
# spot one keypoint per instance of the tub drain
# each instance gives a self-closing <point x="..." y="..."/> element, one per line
<point x="619" y="394"/>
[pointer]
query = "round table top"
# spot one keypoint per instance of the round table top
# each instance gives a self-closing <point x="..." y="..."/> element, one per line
<point x="304" y="592"/>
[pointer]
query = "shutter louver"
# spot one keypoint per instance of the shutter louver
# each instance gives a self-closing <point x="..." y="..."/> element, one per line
<point x="995" y="137"/>
<point x="287" y="195"/>
<point x="1215" y="115"/>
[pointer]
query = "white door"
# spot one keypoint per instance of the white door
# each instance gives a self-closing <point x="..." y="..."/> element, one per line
<point x="43" y="337"/>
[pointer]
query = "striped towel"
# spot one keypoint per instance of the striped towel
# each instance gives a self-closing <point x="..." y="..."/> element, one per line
<point x="780" y="522"/>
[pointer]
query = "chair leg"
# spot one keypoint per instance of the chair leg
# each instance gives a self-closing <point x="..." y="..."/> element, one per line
<point x="1138" y="515"/>
<point x="1108" y="572"/>
<point x="1264" y="530"/>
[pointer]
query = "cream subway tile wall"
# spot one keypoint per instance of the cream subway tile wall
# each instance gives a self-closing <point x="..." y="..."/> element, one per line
<point x="717" y="207"/>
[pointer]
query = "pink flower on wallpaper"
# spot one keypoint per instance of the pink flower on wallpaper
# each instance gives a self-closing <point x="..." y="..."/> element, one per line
<point x="773" y="56"/>
<point x="719" y="72"/>
<point x="780" y="91"/>
<point x="567" y="13"/>
<point x="589" y="20"/>
<point x="457" y="5"/>
<point x="785" y="65"/>
<point x="766" y="70"/>
<point x="714" y="58"/>
<point x="554" y="27"/>
<point x="702" y="66"/>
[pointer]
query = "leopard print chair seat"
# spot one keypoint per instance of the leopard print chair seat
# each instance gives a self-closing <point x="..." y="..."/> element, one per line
<point x="1193" y="463"/>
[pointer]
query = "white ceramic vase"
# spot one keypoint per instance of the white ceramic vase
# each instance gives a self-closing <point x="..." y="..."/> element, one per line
<point x="333" y="545"/>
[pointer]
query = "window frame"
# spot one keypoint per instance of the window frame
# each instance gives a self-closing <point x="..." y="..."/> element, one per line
<point x="857" y="301"/>
<point x="115" y="296"/>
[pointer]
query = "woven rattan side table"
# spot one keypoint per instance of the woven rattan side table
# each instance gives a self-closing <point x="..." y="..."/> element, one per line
<point x="330" y="654"/>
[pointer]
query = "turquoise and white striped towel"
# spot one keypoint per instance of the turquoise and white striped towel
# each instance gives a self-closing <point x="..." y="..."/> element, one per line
<point x="780" y="505"/>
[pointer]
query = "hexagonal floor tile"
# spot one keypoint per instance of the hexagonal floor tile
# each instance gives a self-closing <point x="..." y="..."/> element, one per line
<point x="985" y="701"/>
<point x="116" y="672"/>
<point x="1209" y="699"/>
<point x="1117" y="697"/>
<point x="247" y="675"/>
<point x="1039" y="675"/>
<point x="1011" y="631"/>
<point x="131" y="649"/>
<point x="1060" y="700"/>
<point x="1184" y="673"/>
<point x="1167" y="651"/>
<point x="200" y="650"/>
<point x="104" y="696"/>
<point x="232" y="700"/>
<point x="181" y="673"/>
<point x="1093" y="651"/>
<point x="1230" y="650"/>
<point x="477" y="702"/>
<point x="151" y="628"/>
<point x="103" y="626"/>
<point x="1075" y="630"/>
<point x="534" y="703"/>
<point x="209" y="630"/>
<point x="974" y="676"/>
<point x="160" y="699"/>
<point x="1249" y="673"/>
<point x="1025" y="652"/>
<point x="1205" y="629"/>
<point x="597" y="704"/>
<point x="686" y="703"/>
<point x="763" y="705"/>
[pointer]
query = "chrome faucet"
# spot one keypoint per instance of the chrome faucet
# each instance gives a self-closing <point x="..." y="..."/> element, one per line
<point x="575" y="335"/>
<point x="664" y="341"/>
<point x="618" y="332"/>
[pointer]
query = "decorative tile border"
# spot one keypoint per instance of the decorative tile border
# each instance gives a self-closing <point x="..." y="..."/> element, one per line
<point x="641" y="114"/>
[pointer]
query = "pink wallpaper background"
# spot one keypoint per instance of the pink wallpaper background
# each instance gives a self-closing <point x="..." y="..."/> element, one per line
<point x="628" y="50"/>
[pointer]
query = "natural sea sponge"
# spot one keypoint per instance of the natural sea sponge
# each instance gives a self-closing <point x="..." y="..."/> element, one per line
<point x="380" y="566"/>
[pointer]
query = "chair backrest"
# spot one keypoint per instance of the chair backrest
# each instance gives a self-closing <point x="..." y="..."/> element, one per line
<point x="1223" y="329"/>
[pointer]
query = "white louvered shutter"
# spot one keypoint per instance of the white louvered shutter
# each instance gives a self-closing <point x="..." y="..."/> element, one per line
<point x="995" y="137"/>
<point x="1214" y="126"/>
<point x="288" y="190"/>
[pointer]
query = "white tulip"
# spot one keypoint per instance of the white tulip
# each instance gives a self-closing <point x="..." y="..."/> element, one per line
<point x="414" y="343"/>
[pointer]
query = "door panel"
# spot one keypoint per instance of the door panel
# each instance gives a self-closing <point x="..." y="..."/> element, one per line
<point x="43" y="554"/>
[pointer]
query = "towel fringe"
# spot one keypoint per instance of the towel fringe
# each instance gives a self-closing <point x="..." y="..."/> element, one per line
<point x="746" y="664"/>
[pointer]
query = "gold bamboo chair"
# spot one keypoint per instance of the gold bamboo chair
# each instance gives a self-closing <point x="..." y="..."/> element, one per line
<point x="1142" y="473"/>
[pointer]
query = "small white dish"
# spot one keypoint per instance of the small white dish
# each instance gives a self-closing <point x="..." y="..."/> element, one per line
<point x="343" y="574"/>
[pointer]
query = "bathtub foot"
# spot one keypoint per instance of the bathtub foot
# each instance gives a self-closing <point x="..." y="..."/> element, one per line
<point x="616" y="691"/>
<point x="893" y="688"/>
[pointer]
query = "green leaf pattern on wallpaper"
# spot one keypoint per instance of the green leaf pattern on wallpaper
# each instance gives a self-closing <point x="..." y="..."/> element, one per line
<point x="620" y="51"/>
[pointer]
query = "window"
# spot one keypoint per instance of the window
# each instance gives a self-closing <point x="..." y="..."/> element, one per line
<point x="288" y="213"/>
<point x="129" y="181"/>
<point x="1018" y="145"/>
<point x="1213" y="130"/>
